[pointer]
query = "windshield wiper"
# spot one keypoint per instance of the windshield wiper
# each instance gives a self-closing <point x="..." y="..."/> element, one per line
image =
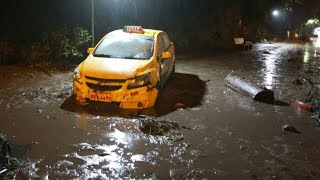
<point x="104" y="55"/>
<point x="135" y="58"/>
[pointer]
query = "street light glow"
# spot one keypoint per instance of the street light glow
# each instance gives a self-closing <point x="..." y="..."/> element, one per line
<point x="275" y="13"/>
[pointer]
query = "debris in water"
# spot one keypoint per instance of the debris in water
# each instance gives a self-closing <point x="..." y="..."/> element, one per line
<point x="297" y="82"/>
<point x="103" y="154"/>
<point x="266" y="52"/>
<point x="35" y="142"/>
<point x="172" y="174"/>
<point x="290" y="128"/>
<point x="6" y="149"/>
<point x="189" y="128"/>
<point x="3" y="171"/>
<point x="7" y="163"/>
<point x="304" y="106"/>
<point x="247" y="88"/>
<point x="184" y="127"/>
<point x="243" y="147"/>
<point x="314" y="99"/>
<point x="159" y="128"/>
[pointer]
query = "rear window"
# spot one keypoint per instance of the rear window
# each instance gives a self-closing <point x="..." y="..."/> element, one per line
<point x="125" y="46"/>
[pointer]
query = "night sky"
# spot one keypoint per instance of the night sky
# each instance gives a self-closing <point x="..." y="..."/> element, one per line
<point x="26" y="20"/>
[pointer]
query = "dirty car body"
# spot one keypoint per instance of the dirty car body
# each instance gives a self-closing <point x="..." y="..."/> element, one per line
<point x="128" y="67"/>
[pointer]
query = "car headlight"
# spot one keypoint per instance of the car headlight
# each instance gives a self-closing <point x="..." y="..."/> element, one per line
<point x="139" y="81"/>
<point x="77" y="75"/>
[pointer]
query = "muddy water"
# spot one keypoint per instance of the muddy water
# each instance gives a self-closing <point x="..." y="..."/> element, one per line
<point x="220" y="134"/>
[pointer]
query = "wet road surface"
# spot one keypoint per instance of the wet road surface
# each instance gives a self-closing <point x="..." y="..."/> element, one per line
<point x="208" y="131"/>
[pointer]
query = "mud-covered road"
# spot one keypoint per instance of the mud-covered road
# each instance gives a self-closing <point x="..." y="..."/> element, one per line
<point x="199" y="128"/>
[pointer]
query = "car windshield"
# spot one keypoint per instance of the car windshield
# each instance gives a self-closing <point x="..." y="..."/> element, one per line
<point x="125" y="46"/>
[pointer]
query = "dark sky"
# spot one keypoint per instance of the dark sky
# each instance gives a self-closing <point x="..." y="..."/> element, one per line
<point x="29" y="18"/>
<point x="26" y="20"/>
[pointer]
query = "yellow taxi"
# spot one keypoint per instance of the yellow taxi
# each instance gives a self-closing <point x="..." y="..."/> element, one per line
<point x="128" y="66"/>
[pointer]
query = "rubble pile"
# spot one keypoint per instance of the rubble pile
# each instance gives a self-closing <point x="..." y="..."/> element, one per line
<point x="314" y="99"/>
<point x="161" y="128"/>
<point x="7" y="163"/>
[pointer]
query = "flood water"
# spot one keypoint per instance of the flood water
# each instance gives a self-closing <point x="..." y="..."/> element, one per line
<point x="217" y="134"/>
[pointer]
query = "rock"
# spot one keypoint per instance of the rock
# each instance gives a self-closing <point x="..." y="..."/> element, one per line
<point x="297" y="82"/>
<point x="290" y="128"/>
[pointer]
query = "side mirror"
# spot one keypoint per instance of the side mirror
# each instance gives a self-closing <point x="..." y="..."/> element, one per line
<point x="90" y="50"/>
<point x="166" y="55"/>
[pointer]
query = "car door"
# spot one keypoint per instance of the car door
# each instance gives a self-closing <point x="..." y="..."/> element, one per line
<point x="169" y="47"/>
<point x="166" y="65"/>
<point x="162" y="62"/>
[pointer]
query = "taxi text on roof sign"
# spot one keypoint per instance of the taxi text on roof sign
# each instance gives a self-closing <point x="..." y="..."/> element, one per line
<point x="133" y="29"/>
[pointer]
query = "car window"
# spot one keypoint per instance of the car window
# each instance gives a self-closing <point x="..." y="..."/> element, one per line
<point x="125" y="46"/>
<point x="161" y="47"/>
<point x="166" y="40"/>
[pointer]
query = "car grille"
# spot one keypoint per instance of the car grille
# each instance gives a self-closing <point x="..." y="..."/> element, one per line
<point x="107" y="80"/>
<point x="99" y="87"/>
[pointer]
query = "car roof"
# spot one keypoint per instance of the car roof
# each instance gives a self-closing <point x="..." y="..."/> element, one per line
<point x="147" y="32"/>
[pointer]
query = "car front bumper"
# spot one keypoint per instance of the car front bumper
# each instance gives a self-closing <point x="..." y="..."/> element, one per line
<point x="138" y="98"/>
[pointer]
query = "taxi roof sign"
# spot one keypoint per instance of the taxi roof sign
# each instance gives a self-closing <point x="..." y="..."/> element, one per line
<point x="133" y="29"/>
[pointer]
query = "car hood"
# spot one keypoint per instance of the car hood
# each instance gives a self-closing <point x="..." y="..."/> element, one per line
<point x="113" y="68"/>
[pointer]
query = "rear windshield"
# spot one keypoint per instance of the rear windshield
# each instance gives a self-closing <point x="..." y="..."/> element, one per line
<point x="125" y="46"/>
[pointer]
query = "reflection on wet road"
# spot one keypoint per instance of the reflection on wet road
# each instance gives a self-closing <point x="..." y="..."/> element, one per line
<point x="221" y="134"/>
